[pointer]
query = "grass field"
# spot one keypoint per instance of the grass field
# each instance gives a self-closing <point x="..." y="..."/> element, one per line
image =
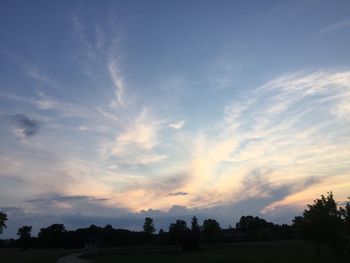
<point x="281" y="252"/>
<point x="32" y="256"/>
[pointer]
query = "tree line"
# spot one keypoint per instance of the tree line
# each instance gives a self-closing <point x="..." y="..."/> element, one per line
<point x="323" y="222"/>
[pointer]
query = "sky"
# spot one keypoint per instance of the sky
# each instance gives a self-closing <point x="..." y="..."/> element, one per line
<point x="111" y="111"/>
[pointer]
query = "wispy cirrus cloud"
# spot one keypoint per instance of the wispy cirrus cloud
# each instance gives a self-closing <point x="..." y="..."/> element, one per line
<point x="136" y="143"/>
<point x="45" y="102"/>
<point x="63" y="108"/>
<point x="285" y="130"/>
<point x="335" y="26"/>
<point x="103" y="50"/>
<point x="81" y="30"/>
<point x="118" y="82"/>
<point x="36" y="74"/>
<point x="342" y="109"/>
<point x="282" y="129"/>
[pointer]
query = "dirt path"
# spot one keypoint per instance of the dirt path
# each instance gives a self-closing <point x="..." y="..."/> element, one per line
<point x="74" y="258"/>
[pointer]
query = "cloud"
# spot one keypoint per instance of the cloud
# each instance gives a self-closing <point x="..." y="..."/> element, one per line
<point x="82" y="128"/>
<point x="44" y="102"/>
<point x="284" y="131"/>
<point x="177" y="125"/>
<point x="80" y="216"/>
<point x="144" y="191"/>
<point x="72" y="204"/>
<point x="177" y="194"/>
<point x="107" y="114"/>
<point x="26" y="126"/>
<point x="272" y="150"/>
<point x="136" y="144"/>
<point x="118" y="82"/>
<point x="35" y="74"/>
<point x="68" y="198"/>
<point x="17" y="98"/>
<point x="335" y="26"/>
<point x="81" y="211"/>
<point x="81" y="31"/>
<point x="342" y="109"/>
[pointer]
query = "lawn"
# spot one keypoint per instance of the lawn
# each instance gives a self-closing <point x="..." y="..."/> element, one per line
<point x="281" y="252"/>
<point x="13" y="255"/>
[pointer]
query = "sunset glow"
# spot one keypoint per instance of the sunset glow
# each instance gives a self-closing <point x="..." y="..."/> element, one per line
<point x="116" y="110"/>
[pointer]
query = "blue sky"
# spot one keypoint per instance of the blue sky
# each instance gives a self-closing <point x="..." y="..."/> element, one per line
<point x="113" y="110"/>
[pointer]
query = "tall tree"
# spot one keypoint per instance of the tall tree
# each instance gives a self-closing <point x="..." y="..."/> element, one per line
<point x="345" y="230"/>
<point x="254" y="227"/>
<point x="3" y="219"/>
<point x="194" y="224"/>
<point x="24" y="234"/>
<point x="148" y="226"/>
<point x="193" y="237"/>
<point x="345" y="213"/>
<point x="321" y="221"/>
<point x="177" y="230"/>
<point x="212" y="230"/>
<point x="52" y="236"/>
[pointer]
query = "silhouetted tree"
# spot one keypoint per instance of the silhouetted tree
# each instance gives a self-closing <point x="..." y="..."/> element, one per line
<point x="345" y="230"/>
<point x="177" y="231"/>
<point x="345" y="213"/>
<point x="24" y="234"/>
<point x="148" y="229"/>
<point x="298" y="227"/>
<point x="194" y="224"/>
<point x="52" y="236"/>
<point x="148" y="226"/>
<point x="255" y="228"/>
<point x="3" y="219"/>
<point x="191" y="238"/>
<point x="211" y="230"/>
<point x="321" y="221"/>
<point x="162" y="238"/>
<point x="108" y="227"/>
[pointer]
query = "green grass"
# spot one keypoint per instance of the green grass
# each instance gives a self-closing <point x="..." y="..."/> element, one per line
<point x="14" y="255"/>
<point x="281" y="252"/>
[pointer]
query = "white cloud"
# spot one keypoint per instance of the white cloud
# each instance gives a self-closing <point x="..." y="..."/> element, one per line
<point x="17" y="98"/>
<point x="338" y="25"/>
<point x="177" y="125"/>
<point x="136" y="143"/>
<point x="81" y="31"/>
<point x="342" y="109"/>
<point x="67" y="109"/>
<point x="285" y="129"/>
<point x="142" y="133"/>
<point x="34" y="73"/>
<point x="118" y="83"/>
<point x="285" y="132"/>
